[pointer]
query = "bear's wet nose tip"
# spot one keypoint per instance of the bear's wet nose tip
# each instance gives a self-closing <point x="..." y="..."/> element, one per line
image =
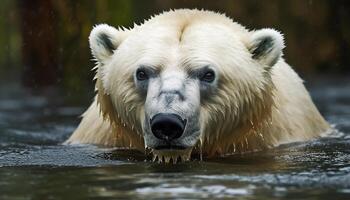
<point x="167" y="126"/>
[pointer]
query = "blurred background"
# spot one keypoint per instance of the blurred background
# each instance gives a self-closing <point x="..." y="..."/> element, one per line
<point x="45" y="42"/>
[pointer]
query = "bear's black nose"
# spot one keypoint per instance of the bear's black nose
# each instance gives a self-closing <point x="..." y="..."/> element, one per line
<point x="167" y="126"/>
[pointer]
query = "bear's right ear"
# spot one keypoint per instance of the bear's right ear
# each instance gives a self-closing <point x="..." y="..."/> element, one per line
<point x="104" y="39"/>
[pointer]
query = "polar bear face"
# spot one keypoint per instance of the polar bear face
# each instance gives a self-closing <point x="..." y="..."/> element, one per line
<point x="178" y="85"/>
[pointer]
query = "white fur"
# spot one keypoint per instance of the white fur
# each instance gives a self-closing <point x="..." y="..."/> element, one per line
<point x="101" y="54"/>
<point x="260" y="103"/>
<point x="276" y="50"/>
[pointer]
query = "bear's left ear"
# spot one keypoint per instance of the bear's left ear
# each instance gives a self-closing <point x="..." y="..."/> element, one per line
<point x="104" y="39"/>
<point x="266" y="46"/>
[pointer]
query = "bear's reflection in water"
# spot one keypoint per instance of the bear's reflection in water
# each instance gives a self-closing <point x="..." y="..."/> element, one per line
<point x="287" y="157"/>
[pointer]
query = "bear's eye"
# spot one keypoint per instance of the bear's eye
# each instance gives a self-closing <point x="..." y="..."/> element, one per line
<point x="141" y="75"/>
<point x="208" y="76"/>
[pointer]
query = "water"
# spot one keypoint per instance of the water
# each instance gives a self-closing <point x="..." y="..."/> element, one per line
<point x="34" y="165"/>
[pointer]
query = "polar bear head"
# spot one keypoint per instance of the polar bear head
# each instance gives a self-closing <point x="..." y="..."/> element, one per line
<point x="185" y="79"/>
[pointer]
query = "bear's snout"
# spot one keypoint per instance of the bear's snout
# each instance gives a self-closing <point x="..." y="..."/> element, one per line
<point x="167" y="126"/>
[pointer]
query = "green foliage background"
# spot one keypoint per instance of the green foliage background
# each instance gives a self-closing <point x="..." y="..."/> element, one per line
<point x="317" y="33"/>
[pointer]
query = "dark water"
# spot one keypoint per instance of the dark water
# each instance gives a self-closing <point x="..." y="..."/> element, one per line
<point x="33" y="164"/>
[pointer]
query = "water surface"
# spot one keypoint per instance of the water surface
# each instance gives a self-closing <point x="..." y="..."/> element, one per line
<point x="34" y="164"/>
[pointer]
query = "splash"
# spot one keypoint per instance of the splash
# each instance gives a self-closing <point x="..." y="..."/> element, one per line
<point x="201" y="149"/>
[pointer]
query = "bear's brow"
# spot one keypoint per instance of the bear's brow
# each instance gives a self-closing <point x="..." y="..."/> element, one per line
<point x="155" y="68"/>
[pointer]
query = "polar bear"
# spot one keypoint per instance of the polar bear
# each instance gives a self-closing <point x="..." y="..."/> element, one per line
<point x="189" y="81"/>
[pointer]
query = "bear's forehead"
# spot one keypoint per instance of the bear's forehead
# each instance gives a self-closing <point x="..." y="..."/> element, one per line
<point x="193" y="34"/>
<point x="198" y="42"/>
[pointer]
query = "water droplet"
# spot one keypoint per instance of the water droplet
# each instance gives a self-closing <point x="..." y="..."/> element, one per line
<point x="167" y="159"/>
<point x="246" y="142"/>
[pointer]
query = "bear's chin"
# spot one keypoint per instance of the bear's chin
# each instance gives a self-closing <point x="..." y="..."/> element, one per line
<point x="171" y="156"/>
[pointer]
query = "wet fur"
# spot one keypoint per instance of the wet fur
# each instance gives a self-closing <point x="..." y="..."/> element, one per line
<point x="269" y="106"/>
